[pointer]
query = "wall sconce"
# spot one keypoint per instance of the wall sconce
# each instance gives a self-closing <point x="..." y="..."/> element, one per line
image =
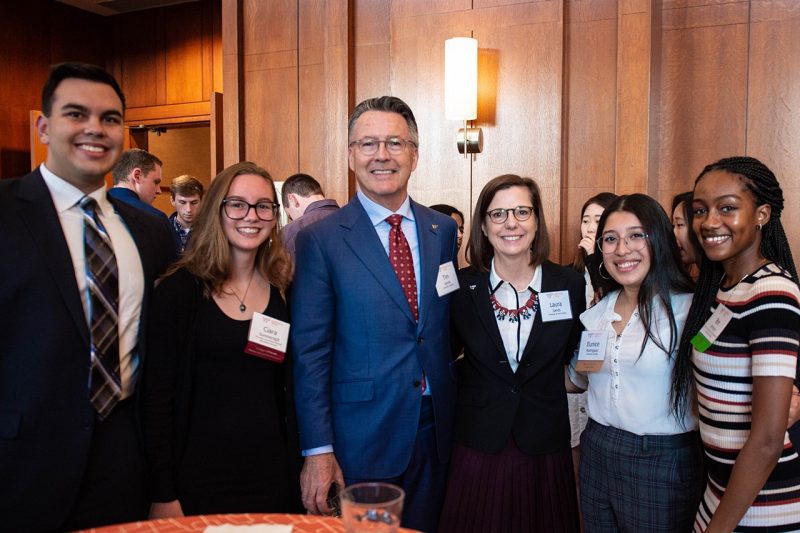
<point x="461" y="91"/>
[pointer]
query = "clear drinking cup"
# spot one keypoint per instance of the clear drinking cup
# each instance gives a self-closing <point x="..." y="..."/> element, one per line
<point x="371" y="507"/>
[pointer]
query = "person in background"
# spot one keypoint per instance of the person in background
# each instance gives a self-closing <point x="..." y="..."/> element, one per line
<point x="216" y="402"/>
<point x="186" y="195"/>
<point x="511" y="468"/>
<point x="137" y="180"/>
<point x="305" y="203"/>
<point x="640" y="453"/>
<point x="456" y="215"/>
<point x="375" y="391"/>
<point x="77" y="272"/>
<point x="688" y="245"/>
<point x="741" y="342"/>
<point x="587" y="262"/>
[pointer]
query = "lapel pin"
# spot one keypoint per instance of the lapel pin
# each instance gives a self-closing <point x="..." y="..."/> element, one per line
<point x="472" y="287"/>
<point x="434" y="226"/>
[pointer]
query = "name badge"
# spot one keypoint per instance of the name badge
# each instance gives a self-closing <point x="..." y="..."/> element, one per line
<point x="446" y="280"/>
<point x="268" y="338"/>
<point x="591" y="351"/>
<point x="555" y="306"/>
<point x="712" y="328"/>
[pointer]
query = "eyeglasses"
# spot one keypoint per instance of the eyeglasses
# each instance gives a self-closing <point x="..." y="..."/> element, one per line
<point x="634" y="242"/>
<point x="394" y="145"/>
<point x="237" y="209"/>
<point x="521" y="213"/>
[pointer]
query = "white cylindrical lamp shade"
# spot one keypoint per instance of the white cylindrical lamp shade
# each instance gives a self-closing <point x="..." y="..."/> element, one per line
<point x="461" y="78"/>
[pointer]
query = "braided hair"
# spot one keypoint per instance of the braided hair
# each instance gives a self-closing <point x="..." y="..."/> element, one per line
<point x="764" y="186"/>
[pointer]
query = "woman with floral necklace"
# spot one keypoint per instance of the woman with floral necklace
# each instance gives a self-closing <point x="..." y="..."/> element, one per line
<point x="515" y="315"/>
<point x="741" y="339"/>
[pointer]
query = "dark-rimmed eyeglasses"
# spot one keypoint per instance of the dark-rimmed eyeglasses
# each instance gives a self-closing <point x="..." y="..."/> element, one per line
<point x="370" y="145"/>
<point x="634" y="242"/>
<point x="237" y="209"/>
<point x="500" y="215"/>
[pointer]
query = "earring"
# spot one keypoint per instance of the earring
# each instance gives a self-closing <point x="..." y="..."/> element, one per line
<point x="758" y="227"/>
<point x="600" y="272"/>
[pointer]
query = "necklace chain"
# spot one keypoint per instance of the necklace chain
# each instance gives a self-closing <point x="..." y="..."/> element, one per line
<point x="242" y="307"/>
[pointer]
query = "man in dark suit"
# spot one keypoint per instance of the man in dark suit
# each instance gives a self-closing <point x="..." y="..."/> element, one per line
<point x="375" y="392"/>
<point x="69" y="445"/>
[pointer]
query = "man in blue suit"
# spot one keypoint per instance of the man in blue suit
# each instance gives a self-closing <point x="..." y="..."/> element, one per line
<point x="374" y="387"/>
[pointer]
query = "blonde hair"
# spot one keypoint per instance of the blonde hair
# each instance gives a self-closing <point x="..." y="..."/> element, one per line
<point x="208" y="253"/>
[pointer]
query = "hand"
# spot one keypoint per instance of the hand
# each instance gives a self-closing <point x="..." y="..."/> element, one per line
<point x="587" y="243"/>
<point x="166" y="510"/>
<point x="319" y="471"/>
<point x="794" y="407"/>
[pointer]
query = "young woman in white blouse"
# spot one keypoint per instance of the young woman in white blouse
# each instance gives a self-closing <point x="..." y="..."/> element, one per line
<point x="640" y="463"/>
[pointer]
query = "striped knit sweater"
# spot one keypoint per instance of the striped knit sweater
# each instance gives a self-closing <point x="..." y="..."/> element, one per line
<point x="760" y="340"/>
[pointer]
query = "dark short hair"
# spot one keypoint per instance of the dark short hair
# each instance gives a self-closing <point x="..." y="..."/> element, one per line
<point x="134" y="158"/>
<point x="387" y="104"/>
<point x="448" y="210"/>
<point x="300" y="184"/>
<point x="479" y="249"/>
<point x="81" y="71"/>
<point x="185" y="185"/>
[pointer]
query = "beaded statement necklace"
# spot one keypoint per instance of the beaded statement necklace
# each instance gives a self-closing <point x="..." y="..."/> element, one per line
<point x="525" y="312"/>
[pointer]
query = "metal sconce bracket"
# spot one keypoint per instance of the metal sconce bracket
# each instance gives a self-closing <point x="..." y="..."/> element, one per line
<point x="469" y="141"/>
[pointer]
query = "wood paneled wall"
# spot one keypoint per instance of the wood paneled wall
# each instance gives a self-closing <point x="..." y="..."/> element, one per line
<point x="582" y="95"/>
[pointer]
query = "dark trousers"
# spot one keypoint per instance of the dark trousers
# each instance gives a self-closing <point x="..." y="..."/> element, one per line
<point x="425" y="479"/>
<point x="112" y="489"/>
<point x="636" y="483"/>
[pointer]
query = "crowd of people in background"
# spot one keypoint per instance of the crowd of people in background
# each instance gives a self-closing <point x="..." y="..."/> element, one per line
<point x="214" y="362"/>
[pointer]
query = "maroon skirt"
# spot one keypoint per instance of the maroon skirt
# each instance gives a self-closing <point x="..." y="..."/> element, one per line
<point x="509" y="492"/>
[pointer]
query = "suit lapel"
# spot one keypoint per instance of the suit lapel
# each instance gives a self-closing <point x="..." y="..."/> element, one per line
<point x="363" y="241"/>
<point x="38" y="214"/>
<point x="430" y="246"/>
<point x="551" y="280"/>
<point x="483" y="307"/>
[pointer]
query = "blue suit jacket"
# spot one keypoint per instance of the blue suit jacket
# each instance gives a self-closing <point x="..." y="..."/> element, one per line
<point x="358" y="353"/>
<point x="46" y="418"/>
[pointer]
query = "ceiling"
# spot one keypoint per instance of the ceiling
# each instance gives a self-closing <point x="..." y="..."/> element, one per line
<point x="116" y="7"/>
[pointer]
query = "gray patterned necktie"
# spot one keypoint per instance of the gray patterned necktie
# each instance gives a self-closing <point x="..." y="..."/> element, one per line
<point x="105" y="387"/>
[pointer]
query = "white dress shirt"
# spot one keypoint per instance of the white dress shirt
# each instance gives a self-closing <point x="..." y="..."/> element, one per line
<point x="632" y="391"/>
<point x="514" y="334"/>
<point x="129" y="266"/>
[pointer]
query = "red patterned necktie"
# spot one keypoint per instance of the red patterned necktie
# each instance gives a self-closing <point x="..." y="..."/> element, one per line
<point x="105" y="388"/>
<point x="402" y="262"/>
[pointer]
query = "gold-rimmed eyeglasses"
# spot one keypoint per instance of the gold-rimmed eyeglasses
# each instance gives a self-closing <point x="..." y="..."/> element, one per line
<point x="634" y="242"/>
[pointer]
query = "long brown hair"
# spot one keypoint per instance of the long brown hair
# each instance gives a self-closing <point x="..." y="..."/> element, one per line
<point x="479" y="249"/>
<point x="208" y="253"/>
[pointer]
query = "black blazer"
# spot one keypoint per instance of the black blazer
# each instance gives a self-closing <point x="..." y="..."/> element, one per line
<point x="493" y="401"/>
<point x="46" y="419"/>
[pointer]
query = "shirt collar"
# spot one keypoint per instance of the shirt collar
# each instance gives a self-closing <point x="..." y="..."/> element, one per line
<point x="377" y="213"/>
<point x="535" y="283"/>
<point x="65" y="195"/>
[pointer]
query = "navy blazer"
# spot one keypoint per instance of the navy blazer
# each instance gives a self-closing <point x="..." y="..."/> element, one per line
<point x="531" y="403"/>
<point x="359" y="354"/>
<point x="46" y="419"/>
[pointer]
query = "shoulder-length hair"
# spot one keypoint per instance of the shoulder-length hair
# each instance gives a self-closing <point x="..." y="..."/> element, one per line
<point x="208" y="253"/>
<point x="604" y="200"/>
<point x="479" y="250"/>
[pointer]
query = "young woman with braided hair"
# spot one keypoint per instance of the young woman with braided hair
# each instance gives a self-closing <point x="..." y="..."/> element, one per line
<point x="741" y="341"/>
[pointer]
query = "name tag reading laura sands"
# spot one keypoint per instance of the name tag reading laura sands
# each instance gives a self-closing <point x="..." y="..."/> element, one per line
<point x="555" y="305"/>
<point x="268" y="338"/>
<point x="592" y="351"/>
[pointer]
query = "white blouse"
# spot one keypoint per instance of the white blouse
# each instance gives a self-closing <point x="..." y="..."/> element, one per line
<point x="632" y="392"/>
<point x="514" y="334"/>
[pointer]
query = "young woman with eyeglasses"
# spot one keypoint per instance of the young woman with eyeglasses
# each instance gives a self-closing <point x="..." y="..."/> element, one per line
<point x="741" y="345"/>
<point x="214" y="401"/>
<point x="515" y="314"/>
<point x="640" y="458"/>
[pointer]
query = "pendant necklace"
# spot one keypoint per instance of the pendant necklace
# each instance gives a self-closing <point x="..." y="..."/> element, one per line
<point x="524" y="312"/>
<point x="242" y="307"/>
